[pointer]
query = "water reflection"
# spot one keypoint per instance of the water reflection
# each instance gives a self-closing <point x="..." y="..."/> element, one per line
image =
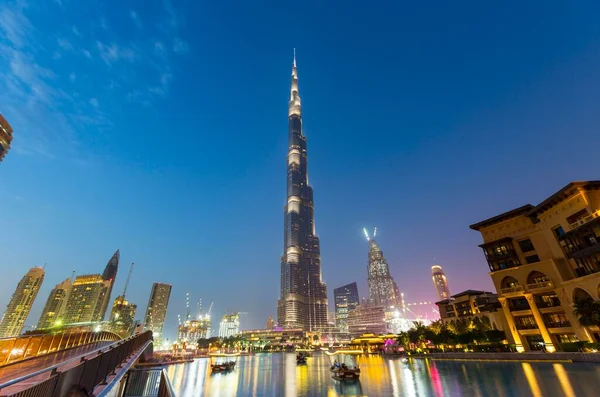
<point x="279" y="375"/>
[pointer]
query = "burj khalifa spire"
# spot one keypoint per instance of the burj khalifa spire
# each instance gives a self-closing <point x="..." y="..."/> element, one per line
<point x="303" y="299"/>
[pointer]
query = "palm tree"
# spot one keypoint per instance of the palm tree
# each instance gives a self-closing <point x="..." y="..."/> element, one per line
<point x="587" y="311"/>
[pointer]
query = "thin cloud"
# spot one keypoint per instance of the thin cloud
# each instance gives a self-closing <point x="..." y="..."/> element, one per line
<point x="113" y="53"/>
<point x="94" y="103"/>
<point x="65" y="44"/>
<point x="136" y="19"/>
<point x="180" y="46"/>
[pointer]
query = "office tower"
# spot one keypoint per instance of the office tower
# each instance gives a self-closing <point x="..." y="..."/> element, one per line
<point x="122" y="317"/>
<point x="367" y="319"/>
<point x="346" y="300"/>
<point x="303" y="299"/>
<point x="86" y="296"/>
<point x="157" y="309"/>
<point x="382" y="287"/>
<point x="20" y="304"/>
<point x="55" y="305"/>
<point x="109" y="275"/>
<point x="5" y="137"/>
<point x="230" y="325"/>
<point x="544" y="261"/>
<point x="270" y="323"/>
<point x="440" y="282"/>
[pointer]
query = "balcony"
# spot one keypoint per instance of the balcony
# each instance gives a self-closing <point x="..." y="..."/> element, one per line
<point x="526" y="326"/>
<point x="584" y="220"/>
<point x="542" y="285"/>
<point x="559" y="324"/>
<point x="511" y="290"/>
<point x="552" y="302"/>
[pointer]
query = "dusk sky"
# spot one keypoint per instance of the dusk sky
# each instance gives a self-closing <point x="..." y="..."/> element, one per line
<point x="160" y="128"/>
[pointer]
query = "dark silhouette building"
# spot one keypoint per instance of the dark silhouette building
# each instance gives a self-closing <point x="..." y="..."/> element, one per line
<point x="303" y="300"/>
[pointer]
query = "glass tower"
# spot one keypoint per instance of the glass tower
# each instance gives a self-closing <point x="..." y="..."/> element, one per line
<point x="20" y="304"/>
<point x="303" y="299"/>
<point x="157" y="309"/>
<point x="346" y="300"/>
<point x="55" y="305"/>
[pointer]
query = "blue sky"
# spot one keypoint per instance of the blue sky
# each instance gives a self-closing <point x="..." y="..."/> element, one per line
<point x="159" y="127"/>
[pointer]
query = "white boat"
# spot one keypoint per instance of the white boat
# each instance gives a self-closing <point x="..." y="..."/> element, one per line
<point x="344" y="365"/>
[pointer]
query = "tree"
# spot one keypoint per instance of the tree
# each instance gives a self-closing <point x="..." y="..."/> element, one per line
<point x="587" y="311"/>
<point x="403" y="339"/>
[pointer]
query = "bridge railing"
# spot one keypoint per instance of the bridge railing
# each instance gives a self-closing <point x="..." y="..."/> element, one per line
<point x="24" y="347"/>
<point x="148" y="383"/>
<point x="87" y="374"/>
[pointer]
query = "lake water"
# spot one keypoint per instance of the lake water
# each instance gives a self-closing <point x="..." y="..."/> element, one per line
<point x="278" y="375"/>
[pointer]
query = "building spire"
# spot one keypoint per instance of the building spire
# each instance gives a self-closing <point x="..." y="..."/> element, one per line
<point x="294" y="108"/>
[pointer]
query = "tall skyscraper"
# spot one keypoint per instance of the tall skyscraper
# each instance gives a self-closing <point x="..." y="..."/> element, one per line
<point x="122" y="316"/>
<point x="303" y="299"/>
<point x="230" y="325"/>
<point x="382" y="287"/>
<point x="5" y="137"/>
<point x="440" y="282"/>
<point x="109" y="276"/>
<point x="270" y="323"/>
<point x="346" y="299"/>
<point x="87" y="294"/>
<point x="20" y="304"/>
<point x="157" y="309"/>
<point x="56" y="303"/>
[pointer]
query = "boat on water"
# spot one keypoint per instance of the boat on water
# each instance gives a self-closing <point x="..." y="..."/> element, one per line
<point x="343" y="364"/>
<point x="223" y="362"/>
<point x="300" y="358"/>
<point x="305" y="352"/>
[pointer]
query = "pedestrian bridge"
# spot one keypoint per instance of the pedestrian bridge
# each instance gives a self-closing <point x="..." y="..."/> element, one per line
<point x="83" y="362"/>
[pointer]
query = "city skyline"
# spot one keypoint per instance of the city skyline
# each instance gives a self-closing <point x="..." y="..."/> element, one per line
<point x="150" y="138"/>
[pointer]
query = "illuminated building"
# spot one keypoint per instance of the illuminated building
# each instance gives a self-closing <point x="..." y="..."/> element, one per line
<point x="270" y="323"/>
<point x="190" y="331"/>
<point x="367" y="319"/>
<point x="83" y="300"/>
<point x="346" y="300"/>
<point x="303" y="300"/>
<point x="122" y="317"/>
<point x="440" y="282"/>
<point x="20" y="304"/>
<point x="230" y="325"/>
<point x="543" y="261"/>
<point x="382" y="287"/>
<point x="5" y="137"/>
<point x="157" y="309"/>
<point x="277" y="336"/>
<point x="473" y="304"/>
<point x="55" y="304"/>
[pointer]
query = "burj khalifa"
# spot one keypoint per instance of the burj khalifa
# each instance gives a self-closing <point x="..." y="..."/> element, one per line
<point x="303" y="299"/>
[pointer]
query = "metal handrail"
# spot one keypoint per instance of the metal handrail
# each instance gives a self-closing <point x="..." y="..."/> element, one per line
<point x="55" y="366"/>
<point x="164" y="379"/>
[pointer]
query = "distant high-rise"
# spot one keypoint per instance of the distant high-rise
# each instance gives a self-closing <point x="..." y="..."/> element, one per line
<point x="270" y="323"/>
<point x="230" y="325"/>
<point x="346" y="299"/>
<point x="87" y="294"/>
<point x="440" y="282"/>
<point x="109" y="275"/>
<point x="122" y="316"/>
<point x="157" y="309"/>
<point x="56" y="303"/>
<point x="18" y="309"/>
<point x="382" y="287"/>
<point x="5" y="137"/>
<point x="303" y="299"/>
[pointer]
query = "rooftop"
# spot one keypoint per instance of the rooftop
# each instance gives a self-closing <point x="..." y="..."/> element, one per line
<point x="523" y="210"/>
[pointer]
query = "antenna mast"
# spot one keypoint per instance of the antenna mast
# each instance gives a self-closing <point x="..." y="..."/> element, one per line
<point x="366" y="234"/>
<point x="375" y="232"/>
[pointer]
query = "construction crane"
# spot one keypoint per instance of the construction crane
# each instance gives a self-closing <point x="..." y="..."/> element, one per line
<point x="127" y="283"/>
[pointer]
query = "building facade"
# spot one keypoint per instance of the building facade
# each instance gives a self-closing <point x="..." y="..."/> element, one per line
<point x="346" y="300"/>
<point x="55" y="305"/>
<point x="472" y="304"/>
<point x="109" y="275"/>
<point x="83" y="300"/>
<point x="5" y="137"/>
<point x="18" y="309"/>
<point x="303" y="294"/>
<point x="367" y="319"/>
<point x="382" y="287"/>
<point x="156" y="311"/>
<point x="230" y="325"/>
<point x="543" y="261"/>
<point x="440" y="282"/>
<point x="122" y="317"/>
